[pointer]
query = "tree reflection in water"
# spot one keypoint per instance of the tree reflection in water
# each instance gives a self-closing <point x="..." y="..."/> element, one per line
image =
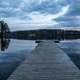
<point x="4" y="39"/>
<point x="4" y="43"/>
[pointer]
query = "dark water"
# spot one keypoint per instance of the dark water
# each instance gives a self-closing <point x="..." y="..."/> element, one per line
<point x="12" y="57"/>
<point x="72" y="49"/>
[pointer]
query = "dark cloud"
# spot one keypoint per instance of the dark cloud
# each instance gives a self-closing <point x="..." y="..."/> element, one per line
<point x="46" y="7"/>
<point x="68" y="21"/>
<point x="72" y="17"/>
<point x="74" y="9"/>
<point x="9" y="3"/>
<point x="43" y="7"/>
<point x="10" y="8"/>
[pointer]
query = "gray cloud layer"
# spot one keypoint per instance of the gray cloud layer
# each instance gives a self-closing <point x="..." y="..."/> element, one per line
<point x="22" y="8"/>
<point x="72" y="18"/>
<point x="19" y="7"/>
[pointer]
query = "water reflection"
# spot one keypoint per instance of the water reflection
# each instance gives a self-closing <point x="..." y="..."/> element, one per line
<point x="18" y="50"/>
<point x="72" y="49"/>
<point x="16" y="53"/>
<point x="4" y="32"/>
<point x="4" y="43"/>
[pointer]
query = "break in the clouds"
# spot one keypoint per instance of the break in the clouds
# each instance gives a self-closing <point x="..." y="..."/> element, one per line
<point x="19" y="13"/>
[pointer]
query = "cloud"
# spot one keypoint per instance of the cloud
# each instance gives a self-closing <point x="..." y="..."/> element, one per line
<point x="43" y="6"/>
<point x="74" y="8"/>
<point x="24" y="7"/>
<point x="68" y="21"/>
<point x="40" y="11"/>
<point x="72" y="17"/>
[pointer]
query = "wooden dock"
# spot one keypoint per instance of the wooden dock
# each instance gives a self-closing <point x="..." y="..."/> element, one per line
<point x="47" y="62"/>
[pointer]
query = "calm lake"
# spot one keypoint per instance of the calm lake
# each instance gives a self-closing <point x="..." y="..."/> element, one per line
<point x="12" y="57"/>
<point x="72" y="49"/>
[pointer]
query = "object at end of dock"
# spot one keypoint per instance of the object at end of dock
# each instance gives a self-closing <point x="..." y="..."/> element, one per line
<point x="38" y="41"/>
<point x="56" y="41"/>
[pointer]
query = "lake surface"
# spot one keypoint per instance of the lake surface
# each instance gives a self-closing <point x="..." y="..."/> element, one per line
<point x="12" y="57"/>
<point x="15" y="54"/>
<point x="72" y="49"/>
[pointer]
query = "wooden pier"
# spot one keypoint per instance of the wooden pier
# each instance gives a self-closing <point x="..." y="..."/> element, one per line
<point x="47" y="62"/>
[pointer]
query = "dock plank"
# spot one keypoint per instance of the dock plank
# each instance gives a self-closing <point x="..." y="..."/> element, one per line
<point x="47" y="62"/>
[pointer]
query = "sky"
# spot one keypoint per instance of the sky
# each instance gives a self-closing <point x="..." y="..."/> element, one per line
<point x="40" y="14"/>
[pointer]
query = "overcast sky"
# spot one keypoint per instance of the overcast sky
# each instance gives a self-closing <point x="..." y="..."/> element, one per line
<point x="34" y="14"/>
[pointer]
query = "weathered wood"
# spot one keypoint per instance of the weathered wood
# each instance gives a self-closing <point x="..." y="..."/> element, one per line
<point x="47" y="62"/>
